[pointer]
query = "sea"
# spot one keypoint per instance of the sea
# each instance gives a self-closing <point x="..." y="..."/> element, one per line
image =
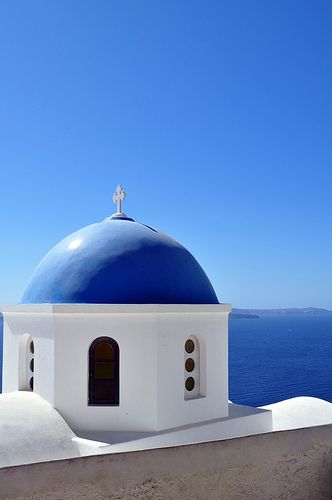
<point x="272" y="358"/>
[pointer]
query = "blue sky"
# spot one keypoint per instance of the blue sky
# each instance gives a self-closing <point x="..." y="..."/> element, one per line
<point x="215" y="116"/>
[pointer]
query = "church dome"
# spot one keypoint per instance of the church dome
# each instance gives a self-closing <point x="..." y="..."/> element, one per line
<point x="119" y="261"/>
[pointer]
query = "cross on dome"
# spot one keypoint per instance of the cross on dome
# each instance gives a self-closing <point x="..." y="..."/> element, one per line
<point x="118" y="198"/>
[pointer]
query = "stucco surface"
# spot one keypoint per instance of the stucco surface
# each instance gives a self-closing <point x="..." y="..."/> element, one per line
<point x="300" y="412"/>
<point x="151" y="339"/>
<point x="294" y="464"/>
<point x="31" y="430"/>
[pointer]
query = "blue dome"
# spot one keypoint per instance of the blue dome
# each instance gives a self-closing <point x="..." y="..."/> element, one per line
<point x="119" y="261"/>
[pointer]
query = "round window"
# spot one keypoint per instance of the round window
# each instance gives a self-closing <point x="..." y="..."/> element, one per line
<point x="190" y="364"/>
<point x="190" y="384"/>
<point x="189" y="346"/>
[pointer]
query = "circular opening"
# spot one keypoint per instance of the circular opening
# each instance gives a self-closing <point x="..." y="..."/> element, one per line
<point x="31" y="383"/>
<point x="32" y="347"/>
<point x="189" y="346"/>
<point x="190" y="384"/>
<point x="32" y="365"/>
<point x="190" y="364"/>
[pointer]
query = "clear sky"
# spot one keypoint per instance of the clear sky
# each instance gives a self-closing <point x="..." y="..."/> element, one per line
<point x="215" y="116"/>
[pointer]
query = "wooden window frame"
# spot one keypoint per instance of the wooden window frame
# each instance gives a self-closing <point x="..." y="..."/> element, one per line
<point x="92" y="382"/>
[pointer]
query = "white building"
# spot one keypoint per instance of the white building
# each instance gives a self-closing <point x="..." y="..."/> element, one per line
<point x="120" y="329"/>
<point x="120" y="344"/>
<point x="121" y="333"/>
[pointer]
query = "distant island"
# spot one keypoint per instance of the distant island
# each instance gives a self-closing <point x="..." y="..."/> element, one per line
<point x="257" y="313"/>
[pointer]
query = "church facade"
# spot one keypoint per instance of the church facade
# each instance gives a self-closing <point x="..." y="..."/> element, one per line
<point x="120" y="329"/>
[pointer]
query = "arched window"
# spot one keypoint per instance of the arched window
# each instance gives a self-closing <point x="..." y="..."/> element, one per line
<point x="104" y="372"/>
<point x="26" y="366"/>
<point x="192" y="368"/>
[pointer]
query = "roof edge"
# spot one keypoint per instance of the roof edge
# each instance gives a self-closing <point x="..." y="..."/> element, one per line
<point x="115" y="308"/>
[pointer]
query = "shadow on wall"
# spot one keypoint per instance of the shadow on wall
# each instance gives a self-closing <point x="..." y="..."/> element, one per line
<point x="1" y="336"/>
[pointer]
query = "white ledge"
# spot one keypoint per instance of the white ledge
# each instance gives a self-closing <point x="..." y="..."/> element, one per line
<point x="116" y="308"/>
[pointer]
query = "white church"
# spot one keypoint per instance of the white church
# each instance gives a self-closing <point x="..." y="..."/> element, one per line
<point x="120" y="344"/>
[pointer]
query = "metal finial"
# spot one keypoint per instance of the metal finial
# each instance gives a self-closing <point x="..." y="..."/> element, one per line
<point x="118" y="198"/>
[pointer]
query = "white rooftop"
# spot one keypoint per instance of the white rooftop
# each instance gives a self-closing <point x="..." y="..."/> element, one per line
<point x="31" y="430"/>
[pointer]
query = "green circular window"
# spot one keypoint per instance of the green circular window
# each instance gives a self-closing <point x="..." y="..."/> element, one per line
<point x="190" y="364"/>
<point x="190" y="384"/>
<point x="189" y="346"/>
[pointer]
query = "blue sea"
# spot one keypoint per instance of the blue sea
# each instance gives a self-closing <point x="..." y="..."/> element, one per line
<point x="276" y="357"/>
<point x="279" y="357"/>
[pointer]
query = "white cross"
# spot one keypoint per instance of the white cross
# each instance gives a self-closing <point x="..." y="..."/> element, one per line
<point x="118" y="198"/>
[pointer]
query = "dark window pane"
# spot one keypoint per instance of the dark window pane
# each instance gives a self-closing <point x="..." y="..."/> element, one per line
<point x="31" y="383"/>
<point x="32" y="365"/>
<point x="190" y="364"/>
<point x="104" y="370"/>
<point x="189" y="346"/>
<point x="32" y="347"/>
<point x="104" y="391"/>
<point x="104" y="351"/>
<point x="190" y="384"/>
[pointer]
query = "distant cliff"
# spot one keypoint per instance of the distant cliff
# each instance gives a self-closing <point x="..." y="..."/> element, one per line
<point x="256" y="313"/>
<point x="240" y="314"/>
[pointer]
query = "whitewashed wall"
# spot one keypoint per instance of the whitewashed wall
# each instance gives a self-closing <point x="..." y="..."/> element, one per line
<point x="40" y="327"/>
<point x="211" y="330"/>
<point x="136" y="337"/>
<point x="151" y="339"/>
<point x="293" y="465"/>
